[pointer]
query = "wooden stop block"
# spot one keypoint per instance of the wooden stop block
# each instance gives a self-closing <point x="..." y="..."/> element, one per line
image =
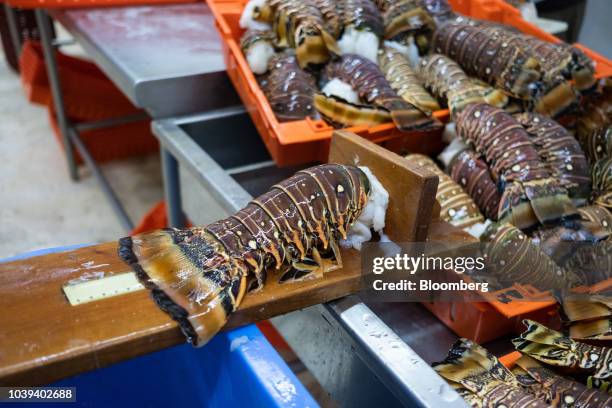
<point x="412" y="190"/>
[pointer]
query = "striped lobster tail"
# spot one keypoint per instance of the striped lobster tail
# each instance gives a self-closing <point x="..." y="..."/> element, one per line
<point x="200" y="275"/>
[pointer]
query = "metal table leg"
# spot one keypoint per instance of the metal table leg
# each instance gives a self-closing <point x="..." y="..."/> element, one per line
<point x="44" y="27"/>
<point x="11" y="19"/>
<point x="172" y="189"/>
<point x="104" y="184"/>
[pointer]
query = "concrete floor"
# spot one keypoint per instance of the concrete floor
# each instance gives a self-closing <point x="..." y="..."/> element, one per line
<point x="40" y="207"/>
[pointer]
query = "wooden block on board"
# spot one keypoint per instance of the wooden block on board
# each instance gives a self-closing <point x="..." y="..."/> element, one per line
<point x="412" y="190"/>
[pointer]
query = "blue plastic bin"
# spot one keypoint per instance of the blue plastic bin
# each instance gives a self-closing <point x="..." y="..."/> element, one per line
<point x="237" y="368"/>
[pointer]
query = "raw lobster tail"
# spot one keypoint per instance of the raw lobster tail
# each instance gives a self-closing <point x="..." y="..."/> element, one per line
<point x="601" y="176"/>
<point x="514" y="258"/>
<point x="561" y="152"/>
<point x="530" y="191"/>
<point x="362" y="15"/>
<point x="289" y="88"/>
<point x="556" y="390"/>
<point x="490" y="58"/>
<point x="456" y="207"/>
<point x="343" y="113"/>
<point x="403" y="17"/>
<point x="331" y="16"/>
<point x="448" y="81"/>
<point x="258" y="49"/>
<point x="553" y="348"/>
<point x="598" y="215"/>
<point x="300" y="24"/>
<point x="588" y="317"/>
<point x="595" y="119"/>
<point x="365" y="77"/>
<point x="404" y="80"/>
<point x="200" y="275"/>
<point x="473" y="174"/>
<point x="598" y="144"/>
<point x="478" y="372"/>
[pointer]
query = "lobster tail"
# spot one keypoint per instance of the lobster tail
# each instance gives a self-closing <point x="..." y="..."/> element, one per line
<point x="470" y="367"/>
<point x="314" y="45"/>
<point x="557" y="100"/>
<point x="408" y="117"/>
<point x="546" y="345"/>
<point x="586" y="308"/>
<point x="524" y="204"/>
<point x="598" y="329"/>
<point x="187" y="276"/>
<point x="338" y="110"/>
<point x="408" y="120"/>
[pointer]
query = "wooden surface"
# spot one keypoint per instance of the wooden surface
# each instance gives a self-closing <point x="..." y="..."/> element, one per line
<point x="412" y="190"/>
<point x="43" y="338"/>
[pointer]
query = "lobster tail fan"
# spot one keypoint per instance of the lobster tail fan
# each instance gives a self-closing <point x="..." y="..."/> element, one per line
<point x="314" y="45"/>
<point x="338" y="110"/>
<point x="408" y="117"/>
<point x="544" y="344"/>
<point x="548" y="201"/>
<point x="557" y="100"/>
<point x="586" y="308"/>
<point x="473" y="367"/>
<point x="514" y="207"/>
<point x="185" y="271"/>
<point x="598" y="329"/>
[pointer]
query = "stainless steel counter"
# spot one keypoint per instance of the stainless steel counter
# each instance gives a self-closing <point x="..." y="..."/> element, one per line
<point x="165" y="59"/>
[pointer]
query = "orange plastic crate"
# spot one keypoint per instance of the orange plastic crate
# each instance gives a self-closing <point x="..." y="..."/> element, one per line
<point x="308" y="140"/>
<point x="48" y="4"/>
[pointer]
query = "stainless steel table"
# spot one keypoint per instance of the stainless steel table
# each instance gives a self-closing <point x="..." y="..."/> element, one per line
<point x="166" y="59"/>
<point x="363" y="355"/>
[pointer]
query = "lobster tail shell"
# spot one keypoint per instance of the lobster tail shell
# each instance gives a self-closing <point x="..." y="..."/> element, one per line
<point x="185" y="271"/>
<point x="524" y="204"/>
<point x="557" y="100"/>
<point x="337" y="110"/>
<point x="474" y="369"/>
<point x="314" y="46"/>
<point x="408" y="120"/>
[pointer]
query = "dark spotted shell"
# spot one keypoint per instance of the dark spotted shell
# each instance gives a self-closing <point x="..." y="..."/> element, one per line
<point x="288" y="88"/>
<point x="490" y="58"/>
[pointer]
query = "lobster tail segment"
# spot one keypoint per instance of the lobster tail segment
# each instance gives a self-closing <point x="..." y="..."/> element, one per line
<point x="189" y="277"/>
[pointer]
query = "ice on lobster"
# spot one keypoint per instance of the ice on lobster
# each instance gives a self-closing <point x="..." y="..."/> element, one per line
<point x="362" y="28"/>
<point x="200" y="275"/>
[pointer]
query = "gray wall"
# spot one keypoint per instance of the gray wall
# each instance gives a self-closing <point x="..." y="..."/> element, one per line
<point x="596" y="31"/>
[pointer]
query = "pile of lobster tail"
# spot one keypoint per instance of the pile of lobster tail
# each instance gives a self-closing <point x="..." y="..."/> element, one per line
<point x="588" y="317"/>
<point x="299" y="25"/>
<point x="200" y="275"/>
<point x="483" y="381"/>
<point x="490" y="58"/>
<point x="530" y="191"/>
<point x="448" y="81"/>
<point x="374" y="91"/>
<point x="405" y="81"/>
<point x="556" y="350"/>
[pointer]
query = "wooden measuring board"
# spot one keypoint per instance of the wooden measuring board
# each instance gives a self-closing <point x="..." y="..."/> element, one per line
<point x="43" y="337"/>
